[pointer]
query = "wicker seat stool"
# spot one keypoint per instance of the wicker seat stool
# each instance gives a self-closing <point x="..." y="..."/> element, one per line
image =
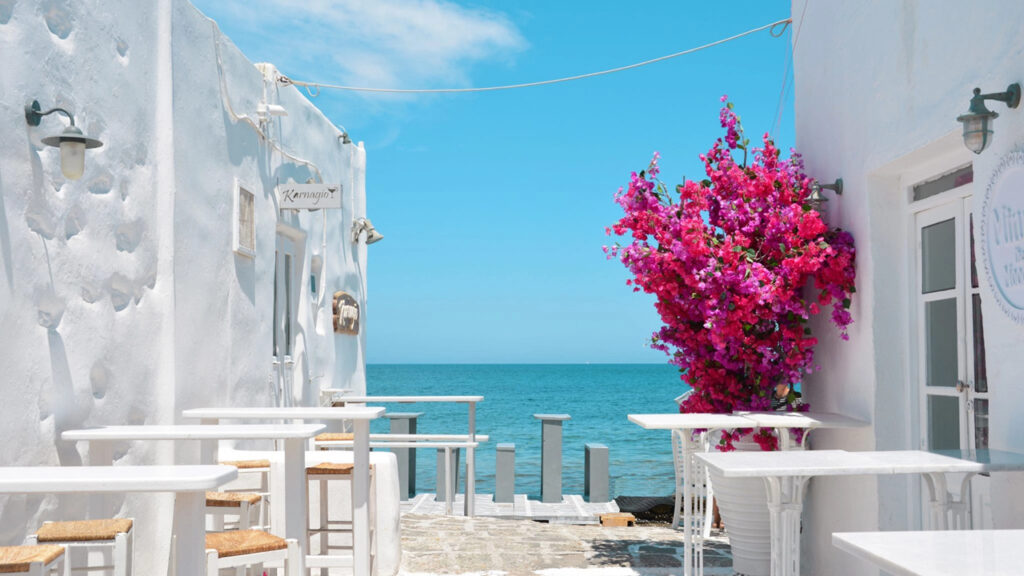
<point x="43" y="560"/>
<point x="322" y="474"/>
<point x="240" y="549"/>
<point x="112" y="536"/>
<point x="333" y="437"/>
<point x="249" y="470"/>
<point x="241" y="504"/>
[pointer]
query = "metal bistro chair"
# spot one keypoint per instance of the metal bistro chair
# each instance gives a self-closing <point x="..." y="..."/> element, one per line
<point x="702" y="498"/>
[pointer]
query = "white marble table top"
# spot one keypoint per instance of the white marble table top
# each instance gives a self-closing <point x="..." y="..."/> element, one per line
<point x="991" y="460"/>
<point x="290" y="413"/>
<point x="833" y="463"/>
<point x="197" y="432"/>
<point x="689" y="421"/>
<point x="920" y="461"/>
<point x="96" y="479"/>
<point x="938" y="553"/>
<point x="398" y="399"/>
<point x="802" y="420"/>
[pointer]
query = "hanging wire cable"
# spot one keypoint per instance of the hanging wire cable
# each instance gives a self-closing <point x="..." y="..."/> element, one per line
<point x="785" y="74"/>
<point x="245" y="118"/>
<point x="284" y="80"/>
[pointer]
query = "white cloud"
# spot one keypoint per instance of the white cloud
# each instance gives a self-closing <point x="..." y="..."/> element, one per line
<point x="377" y="43"/>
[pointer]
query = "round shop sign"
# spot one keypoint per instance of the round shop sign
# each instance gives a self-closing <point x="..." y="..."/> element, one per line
<point x="1002" y="230"/>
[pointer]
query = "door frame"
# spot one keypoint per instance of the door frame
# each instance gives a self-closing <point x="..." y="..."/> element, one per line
<point x="962" y="202"/>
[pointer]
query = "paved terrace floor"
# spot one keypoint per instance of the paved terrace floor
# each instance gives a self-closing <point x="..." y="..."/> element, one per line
<point x="434" y="544"/>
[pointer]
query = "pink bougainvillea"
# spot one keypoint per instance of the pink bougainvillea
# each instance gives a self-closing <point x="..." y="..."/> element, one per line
<point x="738" y="262"/>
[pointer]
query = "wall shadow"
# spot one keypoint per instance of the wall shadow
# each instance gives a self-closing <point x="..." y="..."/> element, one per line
<point x="5" y="239"/>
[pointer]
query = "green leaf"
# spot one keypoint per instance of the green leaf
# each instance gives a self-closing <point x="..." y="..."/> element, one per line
<point x="846" y="303"/>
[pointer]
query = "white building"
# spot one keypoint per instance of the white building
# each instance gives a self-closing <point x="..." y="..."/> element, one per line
<point x="879" y="86"/>
<point x="147" y="247"/>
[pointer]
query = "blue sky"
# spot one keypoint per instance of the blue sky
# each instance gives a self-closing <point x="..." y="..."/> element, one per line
<point x="494" y="205"/>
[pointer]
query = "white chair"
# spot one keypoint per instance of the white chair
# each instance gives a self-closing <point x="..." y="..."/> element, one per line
<point x="322" y="474"/>
<point x="253" y="478"/>
<point x="112" y="536"/>
<point x="43" y="560"/>
<point x="240" y="549"/>
<point x="702" y="499"/>
<point x="244" y="505"/>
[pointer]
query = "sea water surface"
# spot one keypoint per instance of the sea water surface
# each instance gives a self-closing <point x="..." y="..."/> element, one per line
<point x="597" y="397"/>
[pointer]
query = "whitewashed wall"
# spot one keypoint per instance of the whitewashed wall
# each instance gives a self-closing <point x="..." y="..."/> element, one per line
<point x="878" y="86"/>
<point x="121" y="299"/>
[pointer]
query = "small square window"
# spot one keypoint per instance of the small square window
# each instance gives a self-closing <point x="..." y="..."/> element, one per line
<point x="245" y="220"/>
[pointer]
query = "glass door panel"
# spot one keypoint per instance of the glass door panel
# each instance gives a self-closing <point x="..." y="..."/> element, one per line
<point x="943" y="422"/>
<point x="938" y="256"/>
<point x="941" y="341"/>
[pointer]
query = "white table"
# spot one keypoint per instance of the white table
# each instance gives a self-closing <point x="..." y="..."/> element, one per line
<point x="786" y="475"/>
<point x="295" y="436"/>
<point x="189" y="483"/>
<point x="807" y="421"/>
<point x="295" y="473"/>
<point x="938" y="553"/>
<point x="949" y="507"/>
<point x="332" y="395"/>
<point x="684" y="446"/>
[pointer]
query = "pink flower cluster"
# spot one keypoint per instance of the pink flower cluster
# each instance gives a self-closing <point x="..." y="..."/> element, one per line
<point x="738" y="262"/>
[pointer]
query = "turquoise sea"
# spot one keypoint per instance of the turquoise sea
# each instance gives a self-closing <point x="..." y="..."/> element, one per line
<point x="597" y="397"/>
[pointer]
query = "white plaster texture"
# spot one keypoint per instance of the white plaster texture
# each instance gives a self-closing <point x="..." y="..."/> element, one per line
<point x="878" y="87"/>
<point x="121" y="298"/>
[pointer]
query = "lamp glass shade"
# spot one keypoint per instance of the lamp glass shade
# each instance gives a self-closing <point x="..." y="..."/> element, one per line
<point x="977" y="133"/>
<point x="72" y="159"/>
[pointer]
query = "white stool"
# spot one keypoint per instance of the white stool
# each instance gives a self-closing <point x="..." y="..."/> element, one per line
<point x="239" y="549"/>
<point x="114" y="535"/>
<point x="249" y="470"/>
<point x="322" y="474"/>
<point x="42" y="560"/>
<point x="241" y="504"/>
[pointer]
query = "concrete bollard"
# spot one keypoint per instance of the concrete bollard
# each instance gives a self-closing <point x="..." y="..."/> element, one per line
<point x="405" y="423"/>
<point x="551" y="456"/>
<point x="505" y="473"/>
<point x="595" y="473"/>
<point x="439" y="493"/>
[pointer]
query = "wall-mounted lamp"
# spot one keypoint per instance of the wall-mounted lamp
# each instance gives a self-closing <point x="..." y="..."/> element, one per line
<point x="71" y="141"/>
<point x="268" y="111"/>
<point x="364" y="224"/>
<point x="978" y="120"/>
<point x="815" y="198"/>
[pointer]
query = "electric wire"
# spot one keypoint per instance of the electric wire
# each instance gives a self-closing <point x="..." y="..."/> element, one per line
<point x="245" y="118"/>
<point x="309" y="86"/>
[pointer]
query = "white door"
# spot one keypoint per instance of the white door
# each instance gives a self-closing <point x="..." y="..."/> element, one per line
<point x="951" y="341"/>
<point x="286" y="281"/>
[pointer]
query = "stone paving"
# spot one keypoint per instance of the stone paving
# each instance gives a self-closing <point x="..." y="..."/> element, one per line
<point x="458" y="545"/>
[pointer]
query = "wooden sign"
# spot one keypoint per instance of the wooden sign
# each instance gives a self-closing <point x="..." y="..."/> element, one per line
<point x="309" y="196"/>
<point x="346" y="314"/>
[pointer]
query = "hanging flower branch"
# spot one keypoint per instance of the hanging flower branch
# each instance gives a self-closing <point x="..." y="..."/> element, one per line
<point x="738" y="262"/>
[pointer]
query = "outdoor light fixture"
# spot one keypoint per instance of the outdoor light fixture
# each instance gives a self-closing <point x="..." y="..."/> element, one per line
<point x="71" y="141"/>
<point x="816" y="200"/>
<point x="364" y="224"/>
<point x="978" y="120"/>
